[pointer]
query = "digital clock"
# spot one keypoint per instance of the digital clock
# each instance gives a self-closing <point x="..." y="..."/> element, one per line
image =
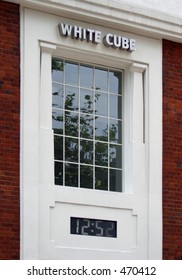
<point x="93" y="227"/>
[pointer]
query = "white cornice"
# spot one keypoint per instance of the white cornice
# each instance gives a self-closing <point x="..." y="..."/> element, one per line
<point x="113" y="14"/>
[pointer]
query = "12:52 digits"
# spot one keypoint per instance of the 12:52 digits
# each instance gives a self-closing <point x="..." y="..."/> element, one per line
<point x="93" y="227"/>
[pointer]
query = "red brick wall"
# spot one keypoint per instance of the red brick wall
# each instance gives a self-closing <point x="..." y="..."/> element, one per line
<point x="172" y="150"/>
<point x="9" y="131"/>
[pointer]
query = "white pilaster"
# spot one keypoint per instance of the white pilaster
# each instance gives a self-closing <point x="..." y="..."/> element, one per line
<point x="137" y="128"/>
<point x="46" y="134"/>
<point x="46" y="85"/>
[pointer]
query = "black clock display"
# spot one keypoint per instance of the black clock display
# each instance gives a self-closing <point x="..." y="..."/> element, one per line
<point x="93" y="227"/>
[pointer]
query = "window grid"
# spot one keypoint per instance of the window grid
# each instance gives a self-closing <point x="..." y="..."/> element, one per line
<point x="65" y="137"/>
<point x="94" y="132"/>
<point x="64" y="146"/>
<point x="79" y="176"/>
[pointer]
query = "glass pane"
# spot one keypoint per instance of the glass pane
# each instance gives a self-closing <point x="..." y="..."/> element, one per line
<point x="86" y="101"/>
<point x="71" y="175"/>
<point x="101" y="129"/>
<point x="57" y="95"/>
<point x="87" y="110"/>
<point x="101" y="154"/>
<point x="115" y="131"/>
<point x="57" y="70"/>
<point x="115" y="156"/>
<point x="115" y="180"/>
<point x="71" y="73"/>
<point x="58" y="169"/>
<point x="71" y="98"/>
<point x="58" y="147"/>
<point x="86" y="177"/>
<point x="101" y="178"/>
<point x="71" y="124"/>
<point x="71" y="149"/>
<point x="86" y="126"/>
<point x="115" y="82"/>
<point x="115" y="106"/>
<point x="86" y="76"/>
<point x="57" y="121"/>
<point x="86" y="151"/>
<point x="101" y="104"/>
<point x="101" y="79"/>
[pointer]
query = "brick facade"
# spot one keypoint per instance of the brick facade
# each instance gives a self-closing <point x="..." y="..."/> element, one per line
<point x="9" y="131"/>
<point x="172" y="150"/>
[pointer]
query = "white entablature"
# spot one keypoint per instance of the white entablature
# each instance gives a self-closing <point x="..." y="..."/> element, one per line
<point x="125" y="16"/>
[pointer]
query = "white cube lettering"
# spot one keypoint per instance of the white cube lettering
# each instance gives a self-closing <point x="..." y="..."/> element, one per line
<point x="77" y="32"/>
<point x="115" y="41"/>
<point x="94" y="36"/>
<point x="97" y="38"/>
<point x="132" y="45"/>
<point x="65" y="29"/>
<point x="125" y="43"/>
<point x="108" y="40"/>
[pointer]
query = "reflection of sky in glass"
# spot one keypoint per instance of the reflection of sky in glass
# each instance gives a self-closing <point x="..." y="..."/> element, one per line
<point x="101" y="129"/>
<point x="71" y="98"/>
<point x="58" y="72"/>
<point x="71" y="73"/>
<point x="86" y="101"/>
<point x="114" y="82"/>
<point x="101" y="79"/>
<point x="101" y="104"/>
<point x="115" y="152"/>
<point x="115" y="131"/>
<point x="57" y="95"/>
<point x="115" y="106"/>
<point x="86" y="126"/>
<point x="86" y="76"/>
<point x="71" y="123"/>
<point x="57" y="121"/>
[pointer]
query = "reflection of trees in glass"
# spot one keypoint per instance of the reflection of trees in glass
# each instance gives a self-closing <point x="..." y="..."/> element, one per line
<point x="71" y="175"/>
<point x="85" y="123"/>
<point x="58" y="171"/>
<point x="69" y="102"/>
<point x="57" y="122"/>
<point x="113" y="131"/>
<point x="87" y="103"/>
<point x="86" y="151"/>
<point x="71" y="123"/>
<point x="71" y="149"/>
<point x="101" y="154"/>
<point x="58" y="147"/>
<point x="101" y="178"/>
<point x="86" y="176"/>
<point x="58" y="95"/>
<point x="86" y="126"/>
<point x="57" y="65"/>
